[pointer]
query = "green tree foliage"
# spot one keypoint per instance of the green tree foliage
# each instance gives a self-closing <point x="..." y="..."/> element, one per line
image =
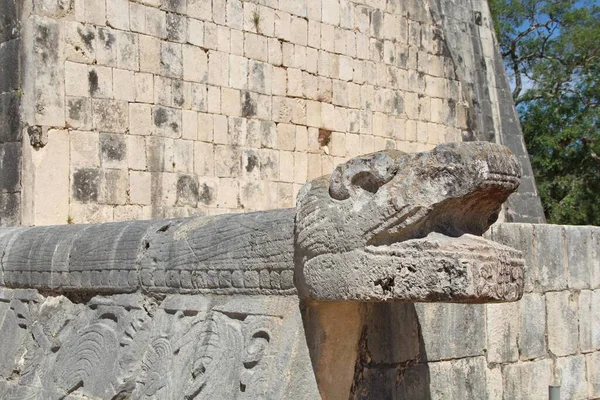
<point x="551" y="50"/>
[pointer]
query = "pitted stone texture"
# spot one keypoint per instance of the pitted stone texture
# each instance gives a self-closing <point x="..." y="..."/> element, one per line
<point x="404" y="227"/>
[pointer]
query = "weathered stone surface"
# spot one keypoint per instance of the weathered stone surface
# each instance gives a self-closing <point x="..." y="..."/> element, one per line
<point x="563" y="319"/>
<point x="579" y="247"/>
<point x="467" y="376"/>
<point x="532" y="319"/>
<point x="411" y="220"/>
<point x="550" y="253"/>
<point x="502" y="332"/>
<point x="589" y="320"/>
<point x="528" y="380"/>
<point x="466" y="321"/>
<point x="592" y="362"/>
<point x="573" y="383"/>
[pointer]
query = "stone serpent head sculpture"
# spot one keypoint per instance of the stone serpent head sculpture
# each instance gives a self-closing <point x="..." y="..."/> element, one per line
<point x="395" y="226"/>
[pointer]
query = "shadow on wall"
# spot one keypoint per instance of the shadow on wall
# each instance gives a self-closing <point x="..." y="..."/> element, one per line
<point x="366" y="350"/>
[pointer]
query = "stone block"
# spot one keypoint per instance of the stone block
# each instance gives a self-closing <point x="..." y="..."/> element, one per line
<point x="235" y="14"/>
<point x="95" y="12"/>
<point x="156" y="23"/>
<point x="563" y="321"/>
<point x="300" y="167"/>
<point x="115" y="185"/>
<point x="166" y="121"/>
<point x="465" y="339"/>
<point x="283" y="25"/>
<point x="532" y="321"/>
<point x="140" y="118"/>
<point x="231" y="102"/>
<point x="298" y="111"/>
<point x="230" y="161"/>
<point x="330" y="12"/>
<point x="502" y="332"/>
<point x="218" y="68"/>
<point x="238" y="79"/>
<point x="46" y="64"/>
<point x="573" y="383"/>
<point x="286" y="166"/>
<point x="150" y="54"/>
<point x="136" y="156"/>
<point x="204" y="159"/>
<point x="579" y="256"/>
<point x="592" y="362"/>
<point x="595" y="259"/>
<point x="207" y="191"/>
<point x="527" y="380"/>
<point x="589" y="320"/>
<point x="113" y="150"/>
<point x="550" y="250"/>
<point x="124" y="87"/>
<point x="10" y="167"/>
<point x="260" y="77"/>
<point x="236" y="131"/>
<point x="195" y="34"/>
<point x="129" y="213"/>
<point x="77" y="84"/>
<point x="255" y="47"/>
<point x="299" y="31"/>
<point x="205" y="98"/>
<point x="159" y="153"/>
<point x="10" y="123"/>
<point x="163" y="91"/>
<point x="10" y="214"/>
<point x="183" y="156"/>
<point x="110" y="115"/>
<point x="117" y="14"/>
<point x="85" y="149"/>
<point x="90" y="213"/>
<point x="128" y="51"/>
<point x="220" y="129"/>
<point x="286" y="137"/>
<point x="195" y="64"/>
<point x="46" y="180"/>
<point x="252" y="195"/>
<point x="228" y="197"/>
<point x="171" y="60"/>
<point x="177" y="28"/>
<point x="205" y="127"/>
<point x="468" y="377"/>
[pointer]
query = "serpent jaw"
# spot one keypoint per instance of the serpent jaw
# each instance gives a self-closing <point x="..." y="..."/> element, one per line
<point x="394" y="226"/>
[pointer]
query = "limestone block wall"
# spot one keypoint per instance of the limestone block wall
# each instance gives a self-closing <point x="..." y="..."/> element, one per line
<point x="496" y="351"/>
<point x="159" y="108"/>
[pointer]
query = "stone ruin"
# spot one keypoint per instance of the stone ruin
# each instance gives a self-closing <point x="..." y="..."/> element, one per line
<point x="224" y="307"/>
<point x="378" y="285"/>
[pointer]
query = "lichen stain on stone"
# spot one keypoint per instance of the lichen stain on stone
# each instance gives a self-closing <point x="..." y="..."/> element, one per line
<point x="86" y="185"/>
<point x="87" y="38"/>
<point x="253" y="162"/>
<point x="249" y="106"/>
<point x="93" y="82"/>
<point x="160" y="116"/>
<point x="187" y="191"/>
<point x="113" y="147"/>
